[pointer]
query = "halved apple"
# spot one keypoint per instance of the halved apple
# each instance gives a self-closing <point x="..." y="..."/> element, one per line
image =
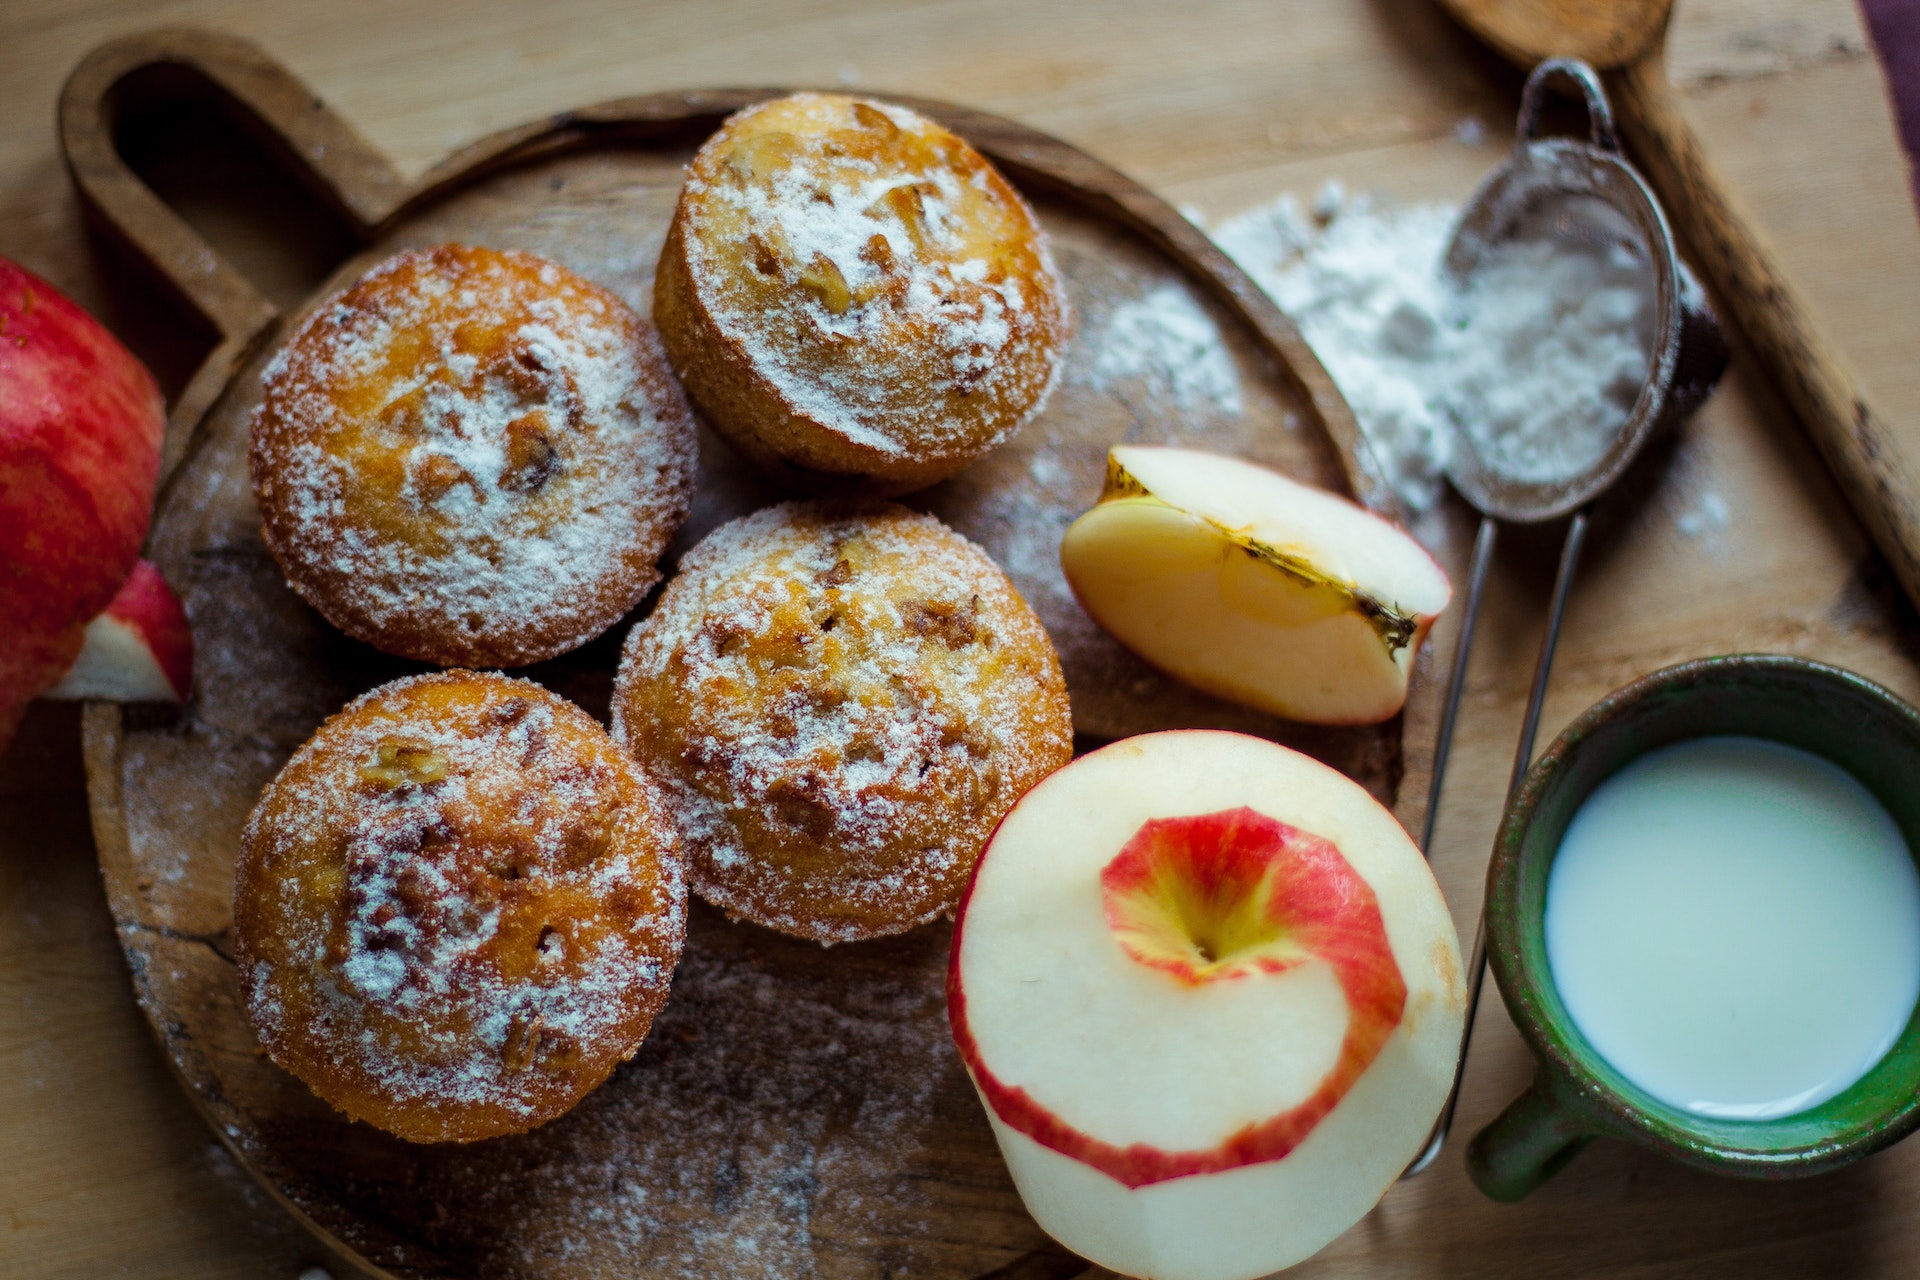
<point x="1254" y="587"/>
<point x="1211" y="997"/>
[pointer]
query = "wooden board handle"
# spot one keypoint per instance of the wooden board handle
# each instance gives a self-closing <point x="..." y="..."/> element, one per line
<point x="326" y="153"/>
<point x="1859" y="448"/>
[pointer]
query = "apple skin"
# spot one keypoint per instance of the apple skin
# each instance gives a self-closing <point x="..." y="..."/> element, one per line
<point x="139" y="650"/>
<point x="80" y="428"/>
<point x="1342" y="925"/>
<point x="1237" y="1200"/>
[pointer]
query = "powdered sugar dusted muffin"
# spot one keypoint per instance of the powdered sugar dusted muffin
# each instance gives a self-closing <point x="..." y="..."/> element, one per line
<point x="854" y="297"/>
<point x="842" y="701"/>
<point x="472" y="457"/>
<point x="457" y="908"/>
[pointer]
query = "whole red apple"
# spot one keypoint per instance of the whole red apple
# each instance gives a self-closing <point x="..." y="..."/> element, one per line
<point x="80" y="427"/>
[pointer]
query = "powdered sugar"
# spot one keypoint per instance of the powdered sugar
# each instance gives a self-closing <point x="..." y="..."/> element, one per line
<point x="1166" y="337"/>
<point x="1705" y="516"/>
<point x="876" y="285"/>
<point x="1538" y="359"/>
<point x="792" y="1116"/>
<point x="429" y="975"/>
<point x="861" y="686"/>
<point x="1554" y="347"/>
<point x="1364" y="288"/>
<point x="464" y="454"/>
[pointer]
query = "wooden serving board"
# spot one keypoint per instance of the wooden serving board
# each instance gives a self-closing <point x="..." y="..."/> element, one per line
<point x="797" y="1111"/>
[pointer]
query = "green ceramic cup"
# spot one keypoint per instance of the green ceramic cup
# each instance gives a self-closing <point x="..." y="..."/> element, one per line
<point x="1576" y="1096"/>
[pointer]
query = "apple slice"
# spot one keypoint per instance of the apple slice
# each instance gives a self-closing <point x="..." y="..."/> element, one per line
<point x="139" y="650"/>
<point x="1211" y="998"/>
<point x="80" y="427"/>
<point x="1254" y="587"/>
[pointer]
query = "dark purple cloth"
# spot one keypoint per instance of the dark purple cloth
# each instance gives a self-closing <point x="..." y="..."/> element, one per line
<point x="1896" y="33"/>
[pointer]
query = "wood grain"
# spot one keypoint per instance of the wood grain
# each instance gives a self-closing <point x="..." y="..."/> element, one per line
<point x="785" y="1084"/>
<point x="1879" y="479"/>
<point x="1734" y="540"/>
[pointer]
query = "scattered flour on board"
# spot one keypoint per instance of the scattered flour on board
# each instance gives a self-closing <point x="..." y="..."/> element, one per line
<point x="1166" y="337"/>
<point x="788" y="1111"/>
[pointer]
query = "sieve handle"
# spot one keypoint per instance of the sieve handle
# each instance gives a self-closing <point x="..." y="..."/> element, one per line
<point x="1600" y="130"/>
<point x="1476" y="975"/>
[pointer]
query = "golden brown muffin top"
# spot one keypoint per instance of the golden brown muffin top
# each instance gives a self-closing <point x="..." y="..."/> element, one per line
<point x="875" y="269"/>
<point x="841" y="701"/>
<point x="472" y="456"/>
<point x="457" y="907"/>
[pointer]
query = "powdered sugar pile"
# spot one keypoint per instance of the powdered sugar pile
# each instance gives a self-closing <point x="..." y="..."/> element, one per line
<point x="1539" y="358"/>
<point x="864" y="685"/>
<point x="1365" y="289"/>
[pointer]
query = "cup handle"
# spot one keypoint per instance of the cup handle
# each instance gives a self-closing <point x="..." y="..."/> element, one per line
<point x="1526" y="1144"/>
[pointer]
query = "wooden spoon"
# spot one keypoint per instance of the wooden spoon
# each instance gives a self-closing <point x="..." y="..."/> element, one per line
<point x="1623" y="39"/>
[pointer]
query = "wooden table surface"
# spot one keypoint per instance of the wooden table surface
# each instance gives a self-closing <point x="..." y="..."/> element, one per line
<point x="1219" y="104"/>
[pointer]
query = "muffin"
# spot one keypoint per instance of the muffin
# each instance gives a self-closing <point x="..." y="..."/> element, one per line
<point x="457" y="908"/>
<point x="854" y="297"/>
<point x="472" y="457"/>
<point x="841" y="702"/>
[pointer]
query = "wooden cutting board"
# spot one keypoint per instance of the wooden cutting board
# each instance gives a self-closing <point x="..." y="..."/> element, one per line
<point x="797" y="1111"/>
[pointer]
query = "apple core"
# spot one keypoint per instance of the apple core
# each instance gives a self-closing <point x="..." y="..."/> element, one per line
<point x="1212" y="896"/>
<point x="1232" y="895"/>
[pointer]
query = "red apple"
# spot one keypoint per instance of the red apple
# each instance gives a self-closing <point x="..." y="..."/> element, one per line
<point x="80" y="427"/>
<point x="1210" y="995"/>
<point x="139" y="650"/>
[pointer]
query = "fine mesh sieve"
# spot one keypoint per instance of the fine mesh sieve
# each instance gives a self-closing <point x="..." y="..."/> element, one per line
<point x="1585" y="194"/>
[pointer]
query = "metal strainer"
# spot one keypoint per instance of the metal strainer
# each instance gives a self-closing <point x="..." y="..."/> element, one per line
<point x="1573" y="191"/>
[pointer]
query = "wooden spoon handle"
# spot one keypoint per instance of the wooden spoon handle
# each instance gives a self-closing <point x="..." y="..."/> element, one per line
<point x="1859" y="448"/>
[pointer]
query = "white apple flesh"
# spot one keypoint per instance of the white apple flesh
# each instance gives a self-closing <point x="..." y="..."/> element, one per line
<point x="139" y="650"/>
<point x="1254" y="587"/>
<point x="1211" y="998"/>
